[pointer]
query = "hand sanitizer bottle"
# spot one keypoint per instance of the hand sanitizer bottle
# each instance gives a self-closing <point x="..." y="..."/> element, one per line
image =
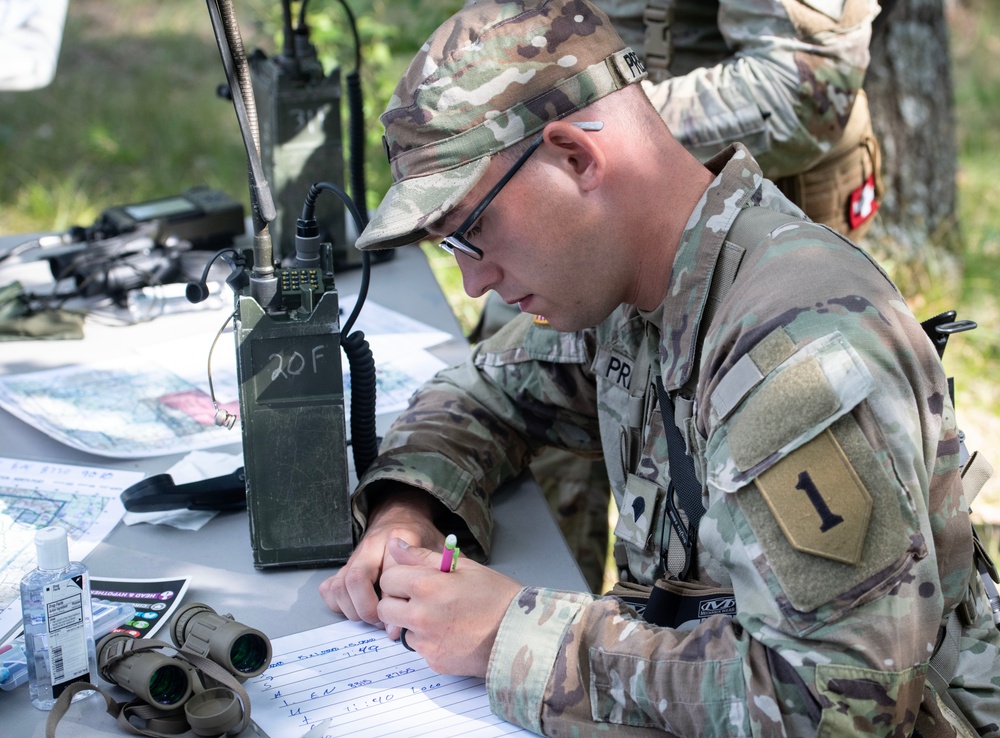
<point x="58" y="621"/>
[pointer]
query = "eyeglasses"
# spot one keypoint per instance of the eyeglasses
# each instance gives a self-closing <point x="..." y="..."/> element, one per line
<point x="457" y="240"/>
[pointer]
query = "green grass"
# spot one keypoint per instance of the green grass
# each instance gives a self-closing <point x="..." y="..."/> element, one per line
<point x="449" y="277"/>
<point x="132" y="114"/>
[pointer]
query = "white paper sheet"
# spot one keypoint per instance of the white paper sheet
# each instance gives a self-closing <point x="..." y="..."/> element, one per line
<point x="125" y="407"/>
<point x="350" y="679"/>
<point x="377" y="320"/>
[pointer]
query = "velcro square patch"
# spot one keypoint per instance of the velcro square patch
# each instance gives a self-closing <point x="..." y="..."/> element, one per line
<point x="827" y="572"/>
<point x="639" y="511"/>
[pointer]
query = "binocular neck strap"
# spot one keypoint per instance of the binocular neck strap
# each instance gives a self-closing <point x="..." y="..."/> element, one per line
<point x="118" y="710"/>
<point x="62" y="704"/>
<point x="125" y="647"/>
<point x="174" y="721"/>
<point x="225" y="679"/>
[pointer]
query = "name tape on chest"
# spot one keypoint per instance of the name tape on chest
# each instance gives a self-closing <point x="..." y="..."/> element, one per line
<point x="616" y="368"/>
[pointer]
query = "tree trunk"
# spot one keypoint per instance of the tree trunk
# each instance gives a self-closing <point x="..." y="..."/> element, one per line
<point x="910" y="91"/>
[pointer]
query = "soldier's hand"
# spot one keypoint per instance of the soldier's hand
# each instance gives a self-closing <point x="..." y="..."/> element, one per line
<point x="451" y="618"/>
<point x="352" y="590"/>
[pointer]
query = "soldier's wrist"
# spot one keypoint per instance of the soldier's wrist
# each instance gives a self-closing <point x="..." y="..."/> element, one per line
<point x="392" y="501"/>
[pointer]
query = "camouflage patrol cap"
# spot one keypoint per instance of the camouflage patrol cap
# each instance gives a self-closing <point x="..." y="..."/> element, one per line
<point x="492" y="75"/>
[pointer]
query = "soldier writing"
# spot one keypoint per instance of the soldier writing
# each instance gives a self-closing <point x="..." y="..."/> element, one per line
<point x="819" y="580"/>
<point x="782" y="77"/>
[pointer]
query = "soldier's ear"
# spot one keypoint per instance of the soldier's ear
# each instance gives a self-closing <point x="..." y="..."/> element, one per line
<point x="578" y="151"/>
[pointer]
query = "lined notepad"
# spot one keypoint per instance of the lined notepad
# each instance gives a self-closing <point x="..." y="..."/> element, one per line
<point x="350" y="679"/>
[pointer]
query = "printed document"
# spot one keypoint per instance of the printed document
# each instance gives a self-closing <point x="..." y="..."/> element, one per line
<point x="35" y="494"/>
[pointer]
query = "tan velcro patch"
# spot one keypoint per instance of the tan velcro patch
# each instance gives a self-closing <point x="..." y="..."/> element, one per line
<point x="797" y="399"/>
<point x="640" y="511"/>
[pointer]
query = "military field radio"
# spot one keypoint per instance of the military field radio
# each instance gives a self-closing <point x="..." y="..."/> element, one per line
<point x="300" y="136"/>
<point x="288" y="334"/>
<point x="298" y="110"/>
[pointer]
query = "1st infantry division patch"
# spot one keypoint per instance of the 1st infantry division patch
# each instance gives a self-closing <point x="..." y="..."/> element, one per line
<point x="818" y="500"/>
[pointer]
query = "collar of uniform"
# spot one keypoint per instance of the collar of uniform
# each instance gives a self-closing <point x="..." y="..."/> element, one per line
<point x="737" y="185"/>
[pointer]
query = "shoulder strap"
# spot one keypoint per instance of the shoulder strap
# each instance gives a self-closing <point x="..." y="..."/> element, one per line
<point x="658" y="44"/>
<point x="752" y="225"/>
<point x="684" y="486"/>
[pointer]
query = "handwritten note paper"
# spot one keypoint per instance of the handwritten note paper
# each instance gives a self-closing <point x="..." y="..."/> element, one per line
<point x="351" y="677"/>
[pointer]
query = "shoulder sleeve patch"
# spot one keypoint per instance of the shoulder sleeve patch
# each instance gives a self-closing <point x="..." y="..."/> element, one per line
<point x="818" y="500"/>
<point x="829" y="522"/>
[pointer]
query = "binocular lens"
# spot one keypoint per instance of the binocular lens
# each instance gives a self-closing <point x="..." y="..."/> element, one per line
<point x="242" y="651"/>
<point x="168" y="685"/>
<point x="249" y="653"/>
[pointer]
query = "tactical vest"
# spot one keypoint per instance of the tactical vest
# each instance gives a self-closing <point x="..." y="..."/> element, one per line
<point x="841" y="190"/>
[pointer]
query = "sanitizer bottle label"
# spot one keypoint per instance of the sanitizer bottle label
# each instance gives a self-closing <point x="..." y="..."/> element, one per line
<point x="65" y="625"/>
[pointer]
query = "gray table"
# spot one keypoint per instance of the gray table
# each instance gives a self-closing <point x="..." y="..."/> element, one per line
<point x="217" y="558"/>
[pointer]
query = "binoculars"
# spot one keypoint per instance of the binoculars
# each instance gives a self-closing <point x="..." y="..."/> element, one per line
<point x="200" y="685"/>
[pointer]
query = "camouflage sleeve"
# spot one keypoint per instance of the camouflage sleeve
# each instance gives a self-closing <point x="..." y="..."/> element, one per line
<point x="787" y="89"/>
<point x="478" y="424"/>
<point x="572" y="664"/>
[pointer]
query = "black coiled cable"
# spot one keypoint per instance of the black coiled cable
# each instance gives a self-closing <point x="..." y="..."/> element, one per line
<point x="364" y="438"/>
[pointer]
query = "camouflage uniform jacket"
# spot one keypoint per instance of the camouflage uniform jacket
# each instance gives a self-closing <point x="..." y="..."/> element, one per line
<point x="779" y="76"/>
<point x="819" y="400"/>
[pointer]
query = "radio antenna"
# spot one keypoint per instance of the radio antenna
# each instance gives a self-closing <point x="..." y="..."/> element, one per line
<point x="263" y="283"/>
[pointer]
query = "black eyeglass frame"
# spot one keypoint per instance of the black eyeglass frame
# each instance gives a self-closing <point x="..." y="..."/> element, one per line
<point x="457" y="240"/>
